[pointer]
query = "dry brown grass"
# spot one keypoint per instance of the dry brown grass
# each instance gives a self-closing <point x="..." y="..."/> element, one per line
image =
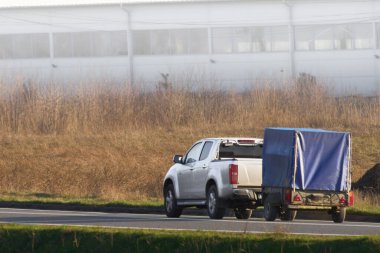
<point x="116" y="142"/>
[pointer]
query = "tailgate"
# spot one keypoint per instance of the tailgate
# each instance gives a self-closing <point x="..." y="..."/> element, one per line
<point x="250" y="172"/>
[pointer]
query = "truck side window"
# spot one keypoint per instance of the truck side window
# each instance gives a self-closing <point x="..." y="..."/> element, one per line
<point x="193" y="154"/>
<point x="206" y="150"/>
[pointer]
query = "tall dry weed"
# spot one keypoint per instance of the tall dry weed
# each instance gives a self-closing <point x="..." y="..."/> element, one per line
<point x="113" y="141"/>
<point x="27" y="108"/>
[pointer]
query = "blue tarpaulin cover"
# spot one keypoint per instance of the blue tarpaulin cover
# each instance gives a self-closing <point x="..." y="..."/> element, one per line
<point x="319" y="159"/>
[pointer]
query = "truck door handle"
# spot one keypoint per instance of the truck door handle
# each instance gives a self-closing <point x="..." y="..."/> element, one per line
<point x="191" y="169"/>
<point x="204" y="166"/>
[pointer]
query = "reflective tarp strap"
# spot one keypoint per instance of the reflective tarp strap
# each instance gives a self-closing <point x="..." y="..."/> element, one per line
<point x="349" y="171"/>
<point x="295" y="161"/>
<point x="300" y="145"/>
<point x="298" y="155"/>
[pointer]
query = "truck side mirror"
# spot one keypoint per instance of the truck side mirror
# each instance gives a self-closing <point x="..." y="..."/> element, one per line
<point x="177" y="159"/>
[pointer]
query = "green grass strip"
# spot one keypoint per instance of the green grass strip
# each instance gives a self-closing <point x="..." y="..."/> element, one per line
<point x="38" y="198"/>
<point x="365" y="210"/>
<point x="35" y="198"/>
<point x="21" y="238"/>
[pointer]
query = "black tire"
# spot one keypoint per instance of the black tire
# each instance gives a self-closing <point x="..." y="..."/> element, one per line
<point x="270" y="211"/>
<point x="214" y="208"/>
<point x="242" y="213"/>
<point x="288" y="215"/>
<point x="338" y="216"/>
<point x="170" y="203"/>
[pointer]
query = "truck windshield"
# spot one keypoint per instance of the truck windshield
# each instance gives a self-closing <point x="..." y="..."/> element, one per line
<point x="240" y="151"/>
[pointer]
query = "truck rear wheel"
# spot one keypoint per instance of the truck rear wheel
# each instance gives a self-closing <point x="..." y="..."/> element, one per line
<point x="338" y="216"/>
<point x="170" y="203"/>
<point x="214" y="209"/>
<point x="242" y="213"/>
<point x="270" y="211"/>
<point x="288" y="215"/>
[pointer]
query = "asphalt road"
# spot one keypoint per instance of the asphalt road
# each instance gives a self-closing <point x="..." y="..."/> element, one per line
<point x="186" y="222"/>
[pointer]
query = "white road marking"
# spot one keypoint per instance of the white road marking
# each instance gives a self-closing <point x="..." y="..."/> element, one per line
<point x="37" y="211"/>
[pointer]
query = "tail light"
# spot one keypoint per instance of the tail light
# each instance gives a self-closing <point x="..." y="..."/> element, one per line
<point x="288" y="196"/>
<point x="234" y="174"/>
<point x="351" y="199"/>
<point x="342" y="201"/>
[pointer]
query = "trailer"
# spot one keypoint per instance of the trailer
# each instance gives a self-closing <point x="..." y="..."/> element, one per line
<point x="306" y="169"/>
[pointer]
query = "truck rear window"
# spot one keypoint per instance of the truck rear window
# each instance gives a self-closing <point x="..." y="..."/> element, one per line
<point x="240" y="151"/>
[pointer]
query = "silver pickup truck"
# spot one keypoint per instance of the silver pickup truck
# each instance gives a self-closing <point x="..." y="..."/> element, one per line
<point x="216" y="173"/>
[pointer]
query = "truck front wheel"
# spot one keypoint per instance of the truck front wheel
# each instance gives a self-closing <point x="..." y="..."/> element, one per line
<point x="170" y="202"/>
<point x="270" y="212"/>
<point x="338" y="216"/>
<point x="242" y="213"/>
<point x="214" y="209"/>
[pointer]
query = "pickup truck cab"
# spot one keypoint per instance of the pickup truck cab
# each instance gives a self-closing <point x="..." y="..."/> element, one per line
<point x="216" y="173"/>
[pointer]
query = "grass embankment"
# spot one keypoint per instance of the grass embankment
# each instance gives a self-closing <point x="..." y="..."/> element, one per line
<point x="17" y="238"/>
<point x="116" y="143"/>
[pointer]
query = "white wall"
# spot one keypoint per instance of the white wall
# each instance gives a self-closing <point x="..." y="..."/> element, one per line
<point x="346" y="70"/>
<point x="226" y="70"/>
<point x="55" y="20"/>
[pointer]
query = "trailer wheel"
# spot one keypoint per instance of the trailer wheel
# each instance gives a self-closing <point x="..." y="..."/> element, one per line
<point x="288" y="215"/>
<point x="338" y="216"/>
<point x="242" y="213"/>
<point x="270" y="211"/>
